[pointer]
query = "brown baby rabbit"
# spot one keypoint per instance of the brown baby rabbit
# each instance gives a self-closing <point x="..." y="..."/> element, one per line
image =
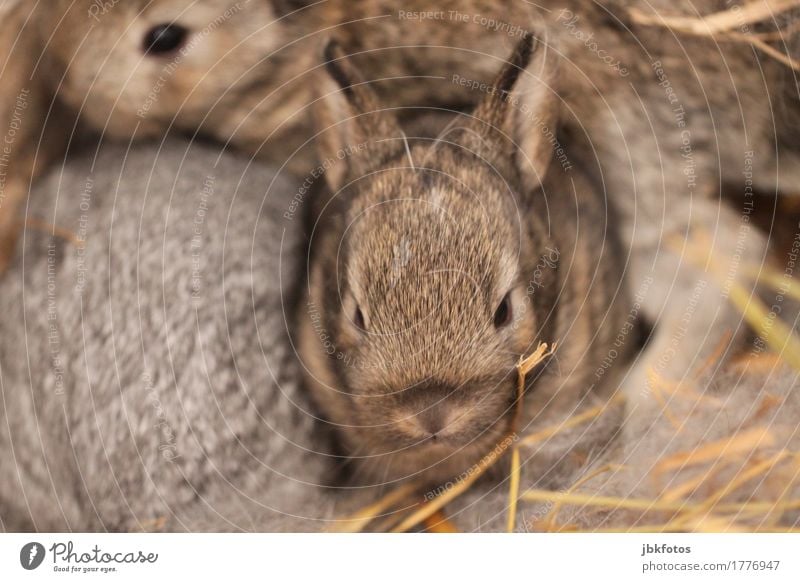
<point x="440" y="259"/>
<point x="130" y="69"/>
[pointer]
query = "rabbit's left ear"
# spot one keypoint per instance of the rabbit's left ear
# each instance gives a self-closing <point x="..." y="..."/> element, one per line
<point x="517" y="121"/>
<point x="357" y="133"/>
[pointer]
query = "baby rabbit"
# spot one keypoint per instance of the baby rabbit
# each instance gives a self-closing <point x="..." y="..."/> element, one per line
<point x="146" y="378"/>
<point x="439" y="260"/>
<point x="132" y="68"/>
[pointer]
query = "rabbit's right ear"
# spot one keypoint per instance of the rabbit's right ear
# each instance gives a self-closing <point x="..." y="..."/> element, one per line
<point x="517" y="121"/>
<point x="356" y="135"/>
<point x="24" y="102"/>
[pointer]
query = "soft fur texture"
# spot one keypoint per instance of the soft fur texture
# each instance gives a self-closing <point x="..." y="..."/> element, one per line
<point x="731" y="98"/>
<point x="670" y="122"/>
<point x="147" y="382"/>
<point x="423" y="242"/>
<point x="92" y="449"/>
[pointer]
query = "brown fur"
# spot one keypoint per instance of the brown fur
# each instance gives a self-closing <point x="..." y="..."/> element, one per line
<point x="248" y="78"/>
<point x="417" y="247"/>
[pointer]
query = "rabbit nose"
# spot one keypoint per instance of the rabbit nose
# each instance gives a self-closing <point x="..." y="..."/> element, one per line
<point x="432" y="422"/>
<point x="431" y="406"/>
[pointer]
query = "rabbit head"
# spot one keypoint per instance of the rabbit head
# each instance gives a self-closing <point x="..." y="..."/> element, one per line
<point x="133" y="67"/>
<point x="418" y="310"/>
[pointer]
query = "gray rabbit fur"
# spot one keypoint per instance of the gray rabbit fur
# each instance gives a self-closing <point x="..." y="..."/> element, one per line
<point x="147" y="382"/>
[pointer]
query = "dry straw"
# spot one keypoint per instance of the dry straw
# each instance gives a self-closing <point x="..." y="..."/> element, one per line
<point x="726" y="25"/>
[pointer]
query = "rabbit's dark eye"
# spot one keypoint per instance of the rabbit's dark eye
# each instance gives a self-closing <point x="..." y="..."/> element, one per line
<point x="358" y="319"/>
<point x="164" y="38"/>
<point x="503" y="314"/>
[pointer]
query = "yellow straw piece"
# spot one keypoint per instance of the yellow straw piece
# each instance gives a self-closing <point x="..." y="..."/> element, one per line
<point x="722" y="21"/>
<point x="775" y="332"/>
<point x="359" y="520"/>
<point x="438" y="523"/>
<point x="645" y="504"/>
<point x="742" y="442"/>
<point x="513" y="493"/>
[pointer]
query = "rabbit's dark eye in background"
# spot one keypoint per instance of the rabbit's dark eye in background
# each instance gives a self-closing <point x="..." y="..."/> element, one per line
<point x="503" y="314"/>
<point x="164" y="38"/>
<point x="358" y="319"/>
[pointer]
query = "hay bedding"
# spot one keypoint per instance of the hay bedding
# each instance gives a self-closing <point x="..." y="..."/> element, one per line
<point x="724" y="458"/>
